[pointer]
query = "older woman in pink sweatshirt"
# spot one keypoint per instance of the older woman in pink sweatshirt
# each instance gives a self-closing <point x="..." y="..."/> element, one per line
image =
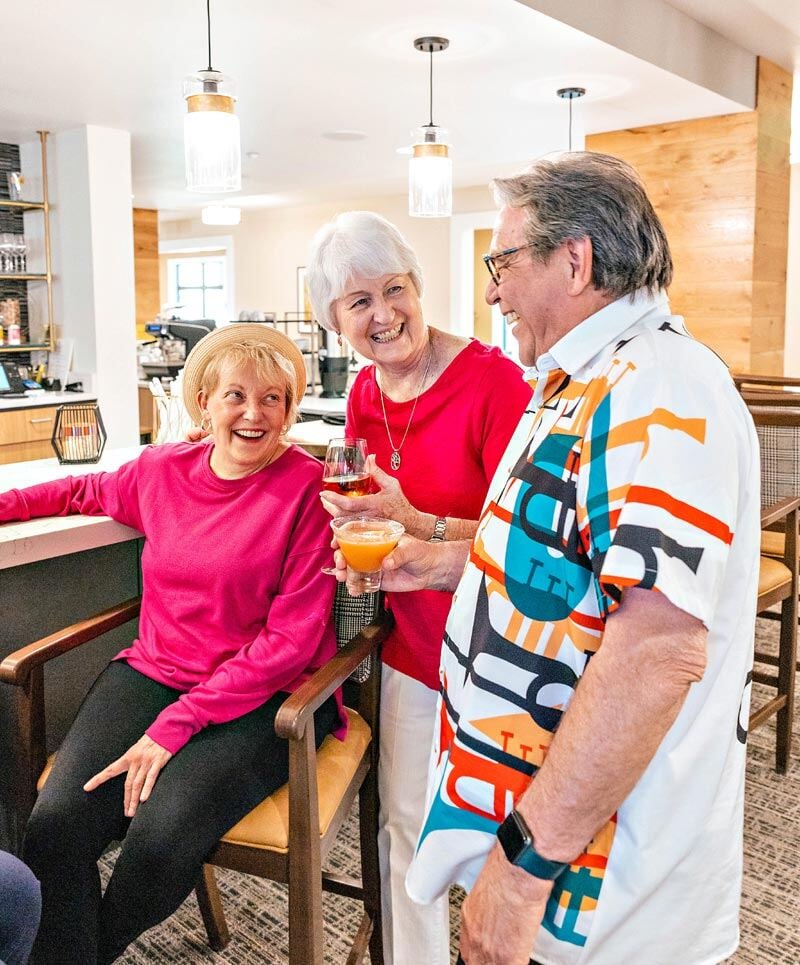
<point x="175" y="742"/>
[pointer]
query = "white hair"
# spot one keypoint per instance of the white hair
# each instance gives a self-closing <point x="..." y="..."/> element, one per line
<point x="355" y="243"/>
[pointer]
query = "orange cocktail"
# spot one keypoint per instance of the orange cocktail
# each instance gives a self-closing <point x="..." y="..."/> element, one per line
<point x="364" y="542"/>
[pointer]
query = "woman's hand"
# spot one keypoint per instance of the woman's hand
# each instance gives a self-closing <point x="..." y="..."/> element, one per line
<point x="389" y="502"/>
<point x="143" y="762"/>
<point x="195" y="434"/>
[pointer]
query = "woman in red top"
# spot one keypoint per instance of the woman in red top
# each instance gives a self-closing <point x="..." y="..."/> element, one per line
<point x="437" y="411"/>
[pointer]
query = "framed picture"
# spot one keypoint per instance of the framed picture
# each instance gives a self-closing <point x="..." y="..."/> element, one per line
<point x="305" y="314"/>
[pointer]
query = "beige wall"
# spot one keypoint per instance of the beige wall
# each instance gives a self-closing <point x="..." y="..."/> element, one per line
<point x="721" y="188"/>
<point x="270" y="244"/>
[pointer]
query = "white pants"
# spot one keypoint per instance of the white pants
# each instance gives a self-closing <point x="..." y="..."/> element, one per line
<point x="412" y="934"/>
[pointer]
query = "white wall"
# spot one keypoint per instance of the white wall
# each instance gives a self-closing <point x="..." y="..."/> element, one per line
<point x="92" y="233"/>
<point x="271" y="244"/>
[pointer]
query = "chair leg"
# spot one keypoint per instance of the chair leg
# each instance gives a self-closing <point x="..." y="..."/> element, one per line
<point x="370" y="865"/>
<point x="787" y="661"/>
<point x="305" y="860"/>
<point x="211" y="909"/>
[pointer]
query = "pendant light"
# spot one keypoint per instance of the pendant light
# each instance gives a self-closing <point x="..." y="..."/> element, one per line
<point x="570" y="94"/>
<point x="211" y="129"/>
<point x="430" y="170"/>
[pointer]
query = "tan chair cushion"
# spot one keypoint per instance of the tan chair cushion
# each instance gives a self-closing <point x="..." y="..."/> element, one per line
<point x="773" y="544"/>
<point x="772" y="574"/>
<point x="267" y="825"/>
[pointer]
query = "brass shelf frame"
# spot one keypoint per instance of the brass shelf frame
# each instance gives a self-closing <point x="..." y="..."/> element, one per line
<point x="47" y="275"/>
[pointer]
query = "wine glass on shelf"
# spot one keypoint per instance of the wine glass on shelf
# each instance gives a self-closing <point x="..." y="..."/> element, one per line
<point x="345" y="467"/>
<point x="6" y="252"/>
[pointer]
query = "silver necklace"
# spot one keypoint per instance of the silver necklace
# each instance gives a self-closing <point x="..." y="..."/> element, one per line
<point x="395" y="460"/>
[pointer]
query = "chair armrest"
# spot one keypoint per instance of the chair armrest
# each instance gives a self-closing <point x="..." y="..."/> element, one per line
<point x="17" y="666"/>
<point x="777" y="511"/>
<point x="297" y="709"/>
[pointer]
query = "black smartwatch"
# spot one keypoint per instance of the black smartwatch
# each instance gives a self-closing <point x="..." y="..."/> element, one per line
<point x="517" y="842"/>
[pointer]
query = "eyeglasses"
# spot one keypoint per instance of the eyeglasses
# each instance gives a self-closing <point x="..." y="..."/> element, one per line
<point x="491" y="260"/>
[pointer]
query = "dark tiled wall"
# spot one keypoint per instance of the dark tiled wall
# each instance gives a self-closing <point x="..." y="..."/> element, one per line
<point x="13" y="221"/>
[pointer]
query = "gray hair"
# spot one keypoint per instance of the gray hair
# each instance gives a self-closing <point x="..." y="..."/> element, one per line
<point x="355" y="243"/>
<point x="584" y="194"/>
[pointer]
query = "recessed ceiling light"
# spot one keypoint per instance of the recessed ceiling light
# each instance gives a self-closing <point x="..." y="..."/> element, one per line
<point x="253" y="155"/>
<point x="345" y="135"/>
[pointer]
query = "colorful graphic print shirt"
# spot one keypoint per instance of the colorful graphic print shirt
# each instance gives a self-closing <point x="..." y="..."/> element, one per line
<point x="635" y="465"/>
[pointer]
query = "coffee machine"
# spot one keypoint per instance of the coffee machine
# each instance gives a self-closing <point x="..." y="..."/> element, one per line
<point x="165" y="355"/>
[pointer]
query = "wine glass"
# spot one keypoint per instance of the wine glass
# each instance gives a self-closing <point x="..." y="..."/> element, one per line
<point x="345" y="467"/>
<point x="345" y="472"/>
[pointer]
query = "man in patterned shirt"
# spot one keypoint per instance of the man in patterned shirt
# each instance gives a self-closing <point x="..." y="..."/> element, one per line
<point x="587" y="778"/>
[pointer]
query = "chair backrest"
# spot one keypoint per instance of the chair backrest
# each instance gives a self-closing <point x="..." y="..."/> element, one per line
<point x="746" y="379"/>
<point x="351" y="614"/>
<point x="778" y="431"/>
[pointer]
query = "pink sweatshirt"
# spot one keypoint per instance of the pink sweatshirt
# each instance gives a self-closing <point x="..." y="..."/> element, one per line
<point x="234" y="607"/>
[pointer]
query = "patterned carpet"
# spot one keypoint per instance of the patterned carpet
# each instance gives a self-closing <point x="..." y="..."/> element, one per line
<point x="257" y="910"/>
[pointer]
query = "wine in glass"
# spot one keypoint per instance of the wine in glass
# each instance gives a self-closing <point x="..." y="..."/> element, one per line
<point x="345" y="467"/>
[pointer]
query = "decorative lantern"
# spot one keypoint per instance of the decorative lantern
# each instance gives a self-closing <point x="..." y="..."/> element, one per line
<point x="79" y="435"/>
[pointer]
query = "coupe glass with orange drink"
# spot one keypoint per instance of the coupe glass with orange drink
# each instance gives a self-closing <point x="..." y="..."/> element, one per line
<point x="345" y="467"/>
<point x="364" y="542"/>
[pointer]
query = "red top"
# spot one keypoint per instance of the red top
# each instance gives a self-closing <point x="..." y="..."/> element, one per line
<point x="461" y="427"/>
<point x="234" y="607"/>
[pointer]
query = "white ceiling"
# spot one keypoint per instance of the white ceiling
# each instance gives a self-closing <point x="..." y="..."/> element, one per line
<point x="305" y="67"/>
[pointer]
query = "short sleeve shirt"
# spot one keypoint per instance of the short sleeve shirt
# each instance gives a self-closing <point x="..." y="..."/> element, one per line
<point x="636" y="465"/>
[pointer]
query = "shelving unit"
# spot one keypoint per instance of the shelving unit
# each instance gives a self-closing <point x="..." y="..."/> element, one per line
<point x="14" y="284"/>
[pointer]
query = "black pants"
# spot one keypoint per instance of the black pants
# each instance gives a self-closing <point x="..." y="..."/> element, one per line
<point x="212" y="782"/>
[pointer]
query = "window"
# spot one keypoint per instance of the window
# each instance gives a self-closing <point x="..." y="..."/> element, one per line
<point x="199" y="286"/>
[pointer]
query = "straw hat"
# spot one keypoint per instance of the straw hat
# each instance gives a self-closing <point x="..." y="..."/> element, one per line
<point x="236" y="333"/>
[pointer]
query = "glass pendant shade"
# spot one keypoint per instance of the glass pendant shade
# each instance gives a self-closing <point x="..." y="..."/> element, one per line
<point x="430" y="176"/>
<point x="212" y="142"/>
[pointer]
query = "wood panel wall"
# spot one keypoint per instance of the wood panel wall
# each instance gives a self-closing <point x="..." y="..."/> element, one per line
<point x="145" y="267"/>
<point x="721" y="187"/>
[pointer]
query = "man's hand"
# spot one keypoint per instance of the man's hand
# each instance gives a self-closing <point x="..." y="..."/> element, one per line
<point x="418" y="565"/>
<point x="143" y="762"/>
<point x="501" y="916"/>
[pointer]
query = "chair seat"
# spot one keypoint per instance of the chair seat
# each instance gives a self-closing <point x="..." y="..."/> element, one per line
<point x="267" y="825"/>
<point x="773" y="544"/>
<point x="772" y="574"/>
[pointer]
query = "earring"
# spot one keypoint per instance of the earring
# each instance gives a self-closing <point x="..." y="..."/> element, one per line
<point x="205" y="424"/>
<point x="339" y="340"/>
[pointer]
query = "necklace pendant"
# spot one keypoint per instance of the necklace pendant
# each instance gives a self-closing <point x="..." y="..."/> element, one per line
<point x="394" y="462"/>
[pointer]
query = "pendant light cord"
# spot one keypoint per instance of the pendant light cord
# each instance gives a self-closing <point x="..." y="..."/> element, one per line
<point x="430" y="123"/>
<point x="570" y="124"/>
<point x="208" y="18"/>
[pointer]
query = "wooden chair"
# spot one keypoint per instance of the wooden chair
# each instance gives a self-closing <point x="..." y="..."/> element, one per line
<point x="778" y="430"/>
<point x="778" y="583"/>
<point x="750" y="380"/>
<point x="287" y="837"/>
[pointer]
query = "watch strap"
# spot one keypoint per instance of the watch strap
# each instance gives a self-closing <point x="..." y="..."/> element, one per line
<point x="439" y="528"/>
<point x="518" y="845"/>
